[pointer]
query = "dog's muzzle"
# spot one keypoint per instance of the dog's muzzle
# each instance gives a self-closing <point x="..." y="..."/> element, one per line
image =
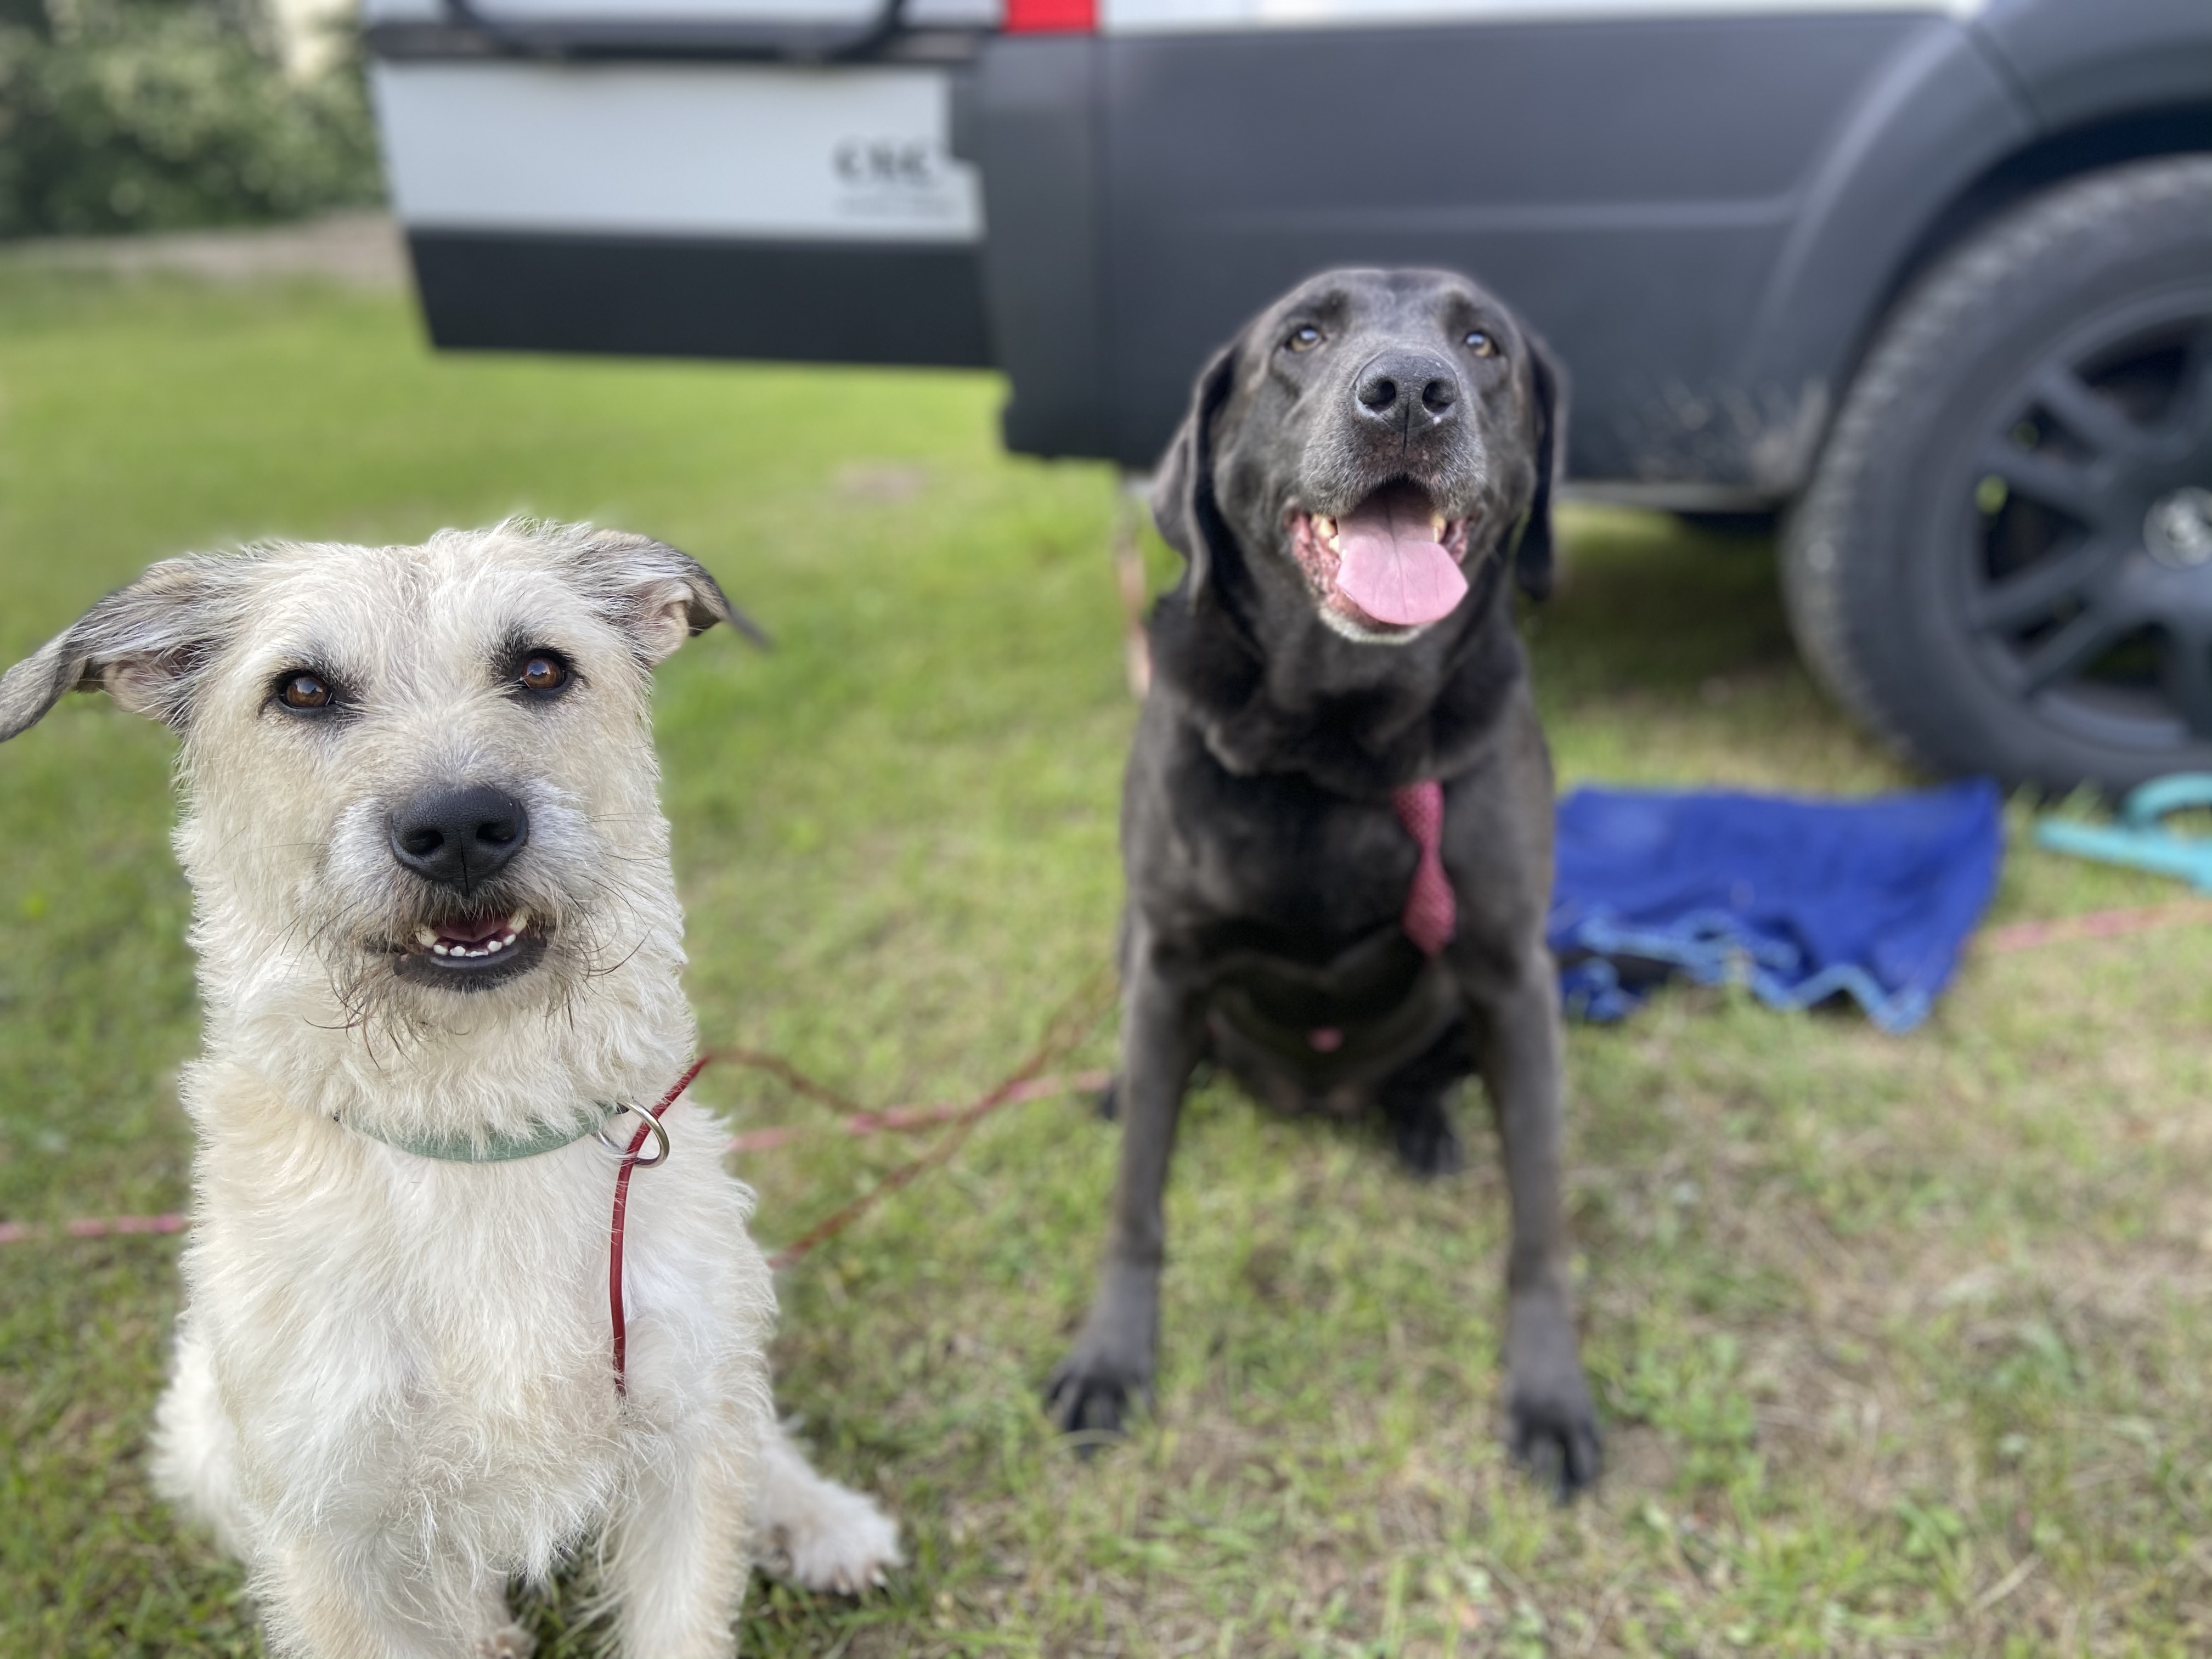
<point x="1393" y="561"/>
<point x="458" y="839"/>
<point x="474" y="952"/>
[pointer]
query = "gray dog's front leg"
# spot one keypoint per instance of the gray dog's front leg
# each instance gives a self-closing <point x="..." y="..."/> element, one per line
<point x="1551" y="1424"/>
<point x="1112" y="1362"/>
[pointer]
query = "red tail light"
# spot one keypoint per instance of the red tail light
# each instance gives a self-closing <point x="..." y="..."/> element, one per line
<point x="1052" y="16"/>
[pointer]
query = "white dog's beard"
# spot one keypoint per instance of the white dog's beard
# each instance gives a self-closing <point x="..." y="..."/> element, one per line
<point x="384" y="992"/>
<point x="401" y="962"/>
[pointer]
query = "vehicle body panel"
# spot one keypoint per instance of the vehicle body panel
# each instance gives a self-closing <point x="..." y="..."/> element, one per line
<point x="681" y="207"/>
<point x="2078" y="61"/>
<point x="1704" y="205"/>
<point x="1221" y="187"/>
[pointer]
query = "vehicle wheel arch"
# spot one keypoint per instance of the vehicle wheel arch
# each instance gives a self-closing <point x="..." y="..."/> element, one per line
<point x="1879" y="216"/>
<point x="2049" y="161"/>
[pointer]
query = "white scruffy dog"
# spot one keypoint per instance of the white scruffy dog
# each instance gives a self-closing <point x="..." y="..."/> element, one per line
<point x="439" y="945"/>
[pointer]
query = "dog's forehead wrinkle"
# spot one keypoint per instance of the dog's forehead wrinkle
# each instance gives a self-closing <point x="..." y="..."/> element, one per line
<point x="1322" y="300"/>
<point x="1364" y="292"/>
<point x="476" y="610"/>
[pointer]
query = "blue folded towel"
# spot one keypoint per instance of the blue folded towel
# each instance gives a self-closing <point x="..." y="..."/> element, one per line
<point x="1799" y="899"/>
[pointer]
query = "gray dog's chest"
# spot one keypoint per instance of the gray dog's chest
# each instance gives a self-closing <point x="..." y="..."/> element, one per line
<point x="1349" y="992"/>
<point x="1290" y="898"/>
<point x="1278" y="863"/>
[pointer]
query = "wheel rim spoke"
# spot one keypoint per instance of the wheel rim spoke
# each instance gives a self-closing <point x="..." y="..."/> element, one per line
<point x="2073" y="647"/>
<point x="2024" y="597"/>
<point x="2072" y="489"/>
<point x="2093" y="419"/>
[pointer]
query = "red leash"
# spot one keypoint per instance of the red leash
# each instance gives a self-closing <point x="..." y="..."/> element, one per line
<point x="1068" y="1026"/>
<point x="622" y="1206"/>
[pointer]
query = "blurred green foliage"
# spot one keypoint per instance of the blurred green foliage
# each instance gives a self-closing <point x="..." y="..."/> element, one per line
<point x="124" y="115"/>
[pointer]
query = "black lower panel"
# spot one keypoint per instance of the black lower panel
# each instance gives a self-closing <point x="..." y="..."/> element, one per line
<point x="834" y="302"/>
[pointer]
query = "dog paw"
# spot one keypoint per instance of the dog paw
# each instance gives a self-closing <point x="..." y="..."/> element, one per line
<point x="1428" y="1147"/>
<point x="507" y="1642"/>
<point x="841" y="1543"/>
<point x="1553" y="1434"/>
<point x="1550" y="1422"/>
<point x="1093" y="1402"/>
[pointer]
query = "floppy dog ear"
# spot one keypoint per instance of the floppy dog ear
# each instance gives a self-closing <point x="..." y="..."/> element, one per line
<point x="1183" y="507"/>
<point x="658" y="595"/>
<point x="1532" y="554"/>
<point x="145" y="645"/>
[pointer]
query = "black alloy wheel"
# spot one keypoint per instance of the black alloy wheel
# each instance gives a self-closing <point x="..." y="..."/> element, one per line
<point x="2005" y="561"/>
<point x="2086" y="558"/>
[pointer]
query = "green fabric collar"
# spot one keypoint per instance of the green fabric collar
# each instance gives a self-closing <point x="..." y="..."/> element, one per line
<point x="498" y="1148"/>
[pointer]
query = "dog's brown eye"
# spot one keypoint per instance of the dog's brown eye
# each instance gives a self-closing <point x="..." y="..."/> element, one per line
<point x="303" y="691"/>
<point x="1302" y="338"/>
<point x="1481" y="343"/>
<point x="543" y="672"/>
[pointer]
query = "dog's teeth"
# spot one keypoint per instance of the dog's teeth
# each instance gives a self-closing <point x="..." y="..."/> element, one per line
<point x="425" y="938"/>
<point x="509" y="939"/>
<point x="490" y="946"/>
<point x="1436" y="526"/>
<point x="517" y="922"/>
<point x="443" y="950"/>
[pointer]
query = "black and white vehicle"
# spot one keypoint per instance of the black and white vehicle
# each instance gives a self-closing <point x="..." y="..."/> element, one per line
<point x="1934" y="276"/>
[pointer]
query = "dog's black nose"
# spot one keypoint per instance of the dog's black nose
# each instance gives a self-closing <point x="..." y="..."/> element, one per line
<point x="459" y="838"/>
<point x="1408" y="391"/>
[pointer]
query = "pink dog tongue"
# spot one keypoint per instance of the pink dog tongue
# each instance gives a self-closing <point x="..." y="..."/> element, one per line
<point x="1391" y="568"/>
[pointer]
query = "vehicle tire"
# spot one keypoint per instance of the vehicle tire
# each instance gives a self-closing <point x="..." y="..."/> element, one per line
<point x="2003" y="564"/>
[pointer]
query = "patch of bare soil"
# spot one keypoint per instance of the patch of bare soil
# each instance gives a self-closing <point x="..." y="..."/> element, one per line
<point x="360" y="250"/>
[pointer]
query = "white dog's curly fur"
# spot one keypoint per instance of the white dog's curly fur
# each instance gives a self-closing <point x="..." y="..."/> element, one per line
<point x="393" y="1387"/>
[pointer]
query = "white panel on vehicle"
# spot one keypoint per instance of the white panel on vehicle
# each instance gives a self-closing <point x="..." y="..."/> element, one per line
<point x="918" y="13"/>
<point x="844" y="154"/>
<point x="853" y="12"/>
<point x="1168" y="16"/>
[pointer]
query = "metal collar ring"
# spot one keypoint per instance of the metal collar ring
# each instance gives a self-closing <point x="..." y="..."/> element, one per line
<point x="659" y="1135"/>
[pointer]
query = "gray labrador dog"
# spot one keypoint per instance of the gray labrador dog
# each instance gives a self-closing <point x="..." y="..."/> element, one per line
<point x="1337" y="819"/>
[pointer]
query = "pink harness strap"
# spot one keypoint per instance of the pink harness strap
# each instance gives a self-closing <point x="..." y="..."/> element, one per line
<point x="1431" y="913"/>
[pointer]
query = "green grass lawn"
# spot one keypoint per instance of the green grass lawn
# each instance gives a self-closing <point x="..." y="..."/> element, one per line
<point x="1901" y="1342"/>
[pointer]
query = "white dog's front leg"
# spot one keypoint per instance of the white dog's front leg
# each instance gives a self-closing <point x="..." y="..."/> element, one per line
<point x="323" y="1601"/>
<point x="195" y="1458"/>
<point x="676" y="1560"/>
<point x="816" y="1534"/>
